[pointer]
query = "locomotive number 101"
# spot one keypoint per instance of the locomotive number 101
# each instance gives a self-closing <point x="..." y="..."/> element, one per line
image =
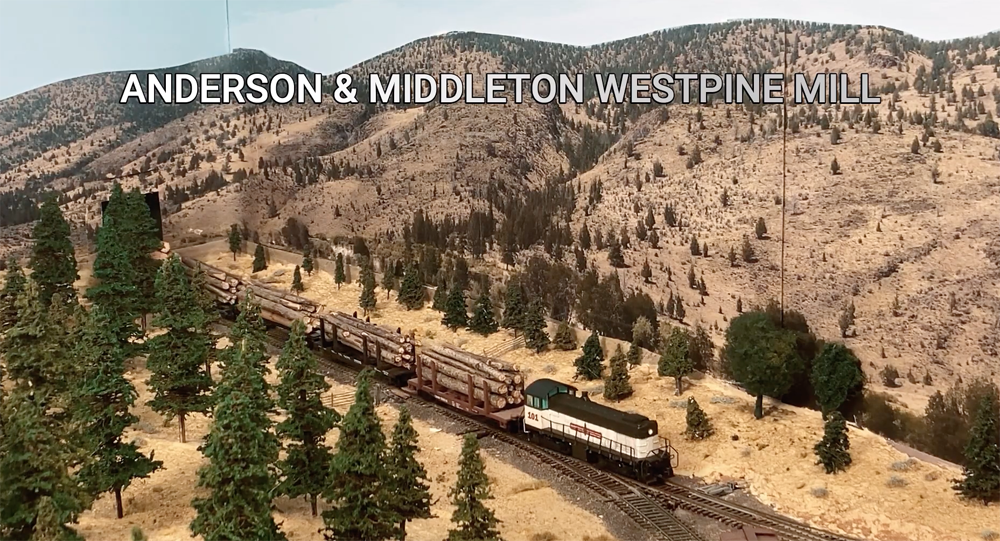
<point x="532" y="416"/>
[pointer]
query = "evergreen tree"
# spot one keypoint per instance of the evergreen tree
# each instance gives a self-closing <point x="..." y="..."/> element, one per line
<point x="241" y="446"/>
<point x="536" y="336"/>
<point x="235" y="240"/>
<point x="565" y="338"/>
<point x="675" y="359"/>
<point x="37" y="491"/>
<point x="760" y="229"/>
<point x="306" y="465"/>
<point x="297" y="280"/>
<point x="411" y="497"/>
<point x="473" y="520"/>
<point x="308" y="264"/>
<point x="634" y="356"/>
<point x="178" y="359"/>
<point x="388" y="280"/>
<point x="763" y="358"/>
<point x="615" y="257"/>
<point x="103" y="410"/>
<point x="440" y="295"/>
<point x="698" y="425"/>
<point x="360" y="487"/>
<point x="35" y="349"/>
<point x="590" y="364"/>
<point x="617" y="385"/>
<point x="338" y="274"/>
<point x="981" y="475"/>
<point x="367" y="300"/>
<point x="513" y="308"/>
<point x="483" y="321"/>
<point x="836" y="375"/>
<point x="646" y="272"/>
<point x="53" y="262"/>
<point x="832" y="450"/>
<point x="455" y="315"/>
<point x="411" y="290"/>
<point x="13" y="286"/>
<point x="259" y="259"/>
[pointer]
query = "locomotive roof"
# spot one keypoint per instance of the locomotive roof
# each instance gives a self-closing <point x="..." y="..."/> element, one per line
<point x="628" y="424"/>
<point x="545" y="387"/>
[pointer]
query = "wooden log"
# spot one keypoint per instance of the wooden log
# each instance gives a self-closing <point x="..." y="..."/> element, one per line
<point x="471" y="360"/>
<point x="301" y="303"/>
<point x="361" y="328"/>
<point x="220" y="294"/>
<point x="274" y="296"/>
<point x="459" y="370"/>
<point x="449" y="382"/>
<point x="392" y="348"/>
<point x="277" y="308"/>
<point x="370" y="328"/>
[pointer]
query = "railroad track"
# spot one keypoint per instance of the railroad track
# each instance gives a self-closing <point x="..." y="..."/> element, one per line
<point x="649" y="507"/>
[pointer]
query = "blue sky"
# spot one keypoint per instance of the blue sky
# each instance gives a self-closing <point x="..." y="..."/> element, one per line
<point x="44" y="41"/>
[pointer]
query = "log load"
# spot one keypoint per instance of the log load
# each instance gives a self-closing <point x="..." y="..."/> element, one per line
<point x="462" y="386"/>
<point x="453" y="367"/>
<point x="390" y="347"/>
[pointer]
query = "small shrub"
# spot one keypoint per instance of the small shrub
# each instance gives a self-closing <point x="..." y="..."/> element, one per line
<point x="722" y="400"/>
<point x="680" y="404"/>
<point x="549" y="369"/>
<point x="932" y="476"/>
<point x="429" y="333"/>
<point x="903" y="465"/>
<point x="819" y="492"/>
<point x="989" y="535"/>
<point x="536" y="484"/>
<point x="544" y="536"/>
<point x="896" y="482"/>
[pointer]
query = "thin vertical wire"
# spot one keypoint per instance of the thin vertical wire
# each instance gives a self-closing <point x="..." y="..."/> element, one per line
<point x="784" y="153"/>
<point x="229" y="39"/>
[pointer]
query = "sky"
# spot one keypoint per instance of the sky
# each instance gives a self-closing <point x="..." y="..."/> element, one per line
<point x="45" y="41"/>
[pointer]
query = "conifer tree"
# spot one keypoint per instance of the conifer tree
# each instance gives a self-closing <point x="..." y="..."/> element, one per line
<point x="455" y="315"/>
<point x="367" y="300"/>
<point x="646" y="272"/>
<point x="235" y="240"/>
<point x="411" y="290"/>
<point x="178" y="359"/>
<point x="440" y="295"/>
<point x="338" y="274"/>
<point x="206" y="301"/>
<point x="513" y="308"/>
<point x="102" y="408"/>
<point x="698" y="425"/>
<point x="13" y="286"/>
<point x="308" y="264"/>
<point x="634" y="356"/>
<point x="832" y="450"/>
<point x="472" y="519"/>
<point x="483" y="321"/>
<point x="565" y="338"/>
<point x="259" y="259"/>
<point x="241" y="446"/>
<point x="590" y="364"/>
<point x="53" y="261"/>
<point x="615" y="256"/>
<point x="536" y="336"/>
<point x="675" y="359"/>
<point x="360" y="486"/>
<point x="981" y="474"/>
<point x="306" y="465"/>
<point x="760" y="229"/>
<point x="407" y="483"/>
<point x="37" y="490"/>
<point x="617" y="385"/>
<point x="763" y="358"/>
<point x="836" y="375"/>
<point x="388" y="280"/>
<point x="35" y="349"/>
<point x="297" y="280"/>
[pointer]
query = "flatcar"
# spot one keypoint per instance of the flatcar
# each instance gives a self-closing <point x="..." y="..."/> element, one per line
<point x="561" y="417"/>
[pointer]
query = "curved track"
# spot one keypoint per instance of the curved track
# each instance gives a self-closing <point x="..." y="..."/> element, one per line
<point x="648" y="506"/>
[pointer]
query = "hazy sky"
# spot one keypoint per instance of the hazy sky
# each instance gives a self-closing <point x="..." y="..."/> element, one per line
<point x="44" y="41"/>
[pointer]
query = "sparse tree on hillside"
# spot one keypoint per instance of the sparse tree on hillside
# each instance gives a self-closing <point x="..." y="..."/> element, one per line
<point x="747" y="251"/>
<point x="915" y="146"/>
<point x="615" y="257"/>
<point x="440" y="299"/>
<point x="411" y="290"/>
<point x="565" y="338"/>
<point x="675" y="359"/>
<point x="338" y="274"/>
<point x="472" y="519"/>
<point x="308" y="264"/>
<point x="835" y="135"/>
<point x="455" y="314"/>
<point x="53" y="261"/>
<point x="834" y="166"/>
<point x="698" y="425"/>
<point x="617" y="385"/>
<point x="408" y="482"/>
<point x="483" y="321"/>
<point x="235" y="240"/>
<point x="836" y="375"/>
<point x="695" y="247"/>
<point x="763" y="358"/>
<point x="590" y="364"/>
<point x="585" y="237"/>
<point x="297" y="280"/>
<point x="646" y="272"/>
<point x="305" y="468"/>
<point x="513" y="309"/>
<point x="833" y="449"/>
<point x="367" y="300"/>
<point x="846" y="320"/>
<point x="981" y="475"/>
<point x="259" y="259"/>
<point x="760" y="229"/>
<point x="654" y="239"/>
<point x="388" y="280"/>
<point x="732" y="257"/>
<point x="535" y="335"/>
<point x="634" y="355"/>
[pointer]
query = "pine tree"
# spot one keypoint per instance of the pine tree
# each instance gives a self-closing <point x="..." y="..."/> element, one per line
<point x="103" y="411"/>
<point x="634" y="356"/>
<point x="836" y="375"/>
<point x="411" y="290"/>
<point x="981" y="474"/>
<point x="760" y="229"/>
<point x="565" y="338"/>
<point x="832" y="450"/>
<point x="360" y="484"/>
<point x="338" y="274"/>
<point x="679" y="311"/>
<point x="241" y="446"/>
<point x="513" y="308"/>
<point x="440" y="295"/>
<point x="37" y="489"/>
<point x="483" y="321"/>
<point x="259" y="259"/>
<point x="367" y="300"/>
<point x="235" y="240"/>
<point x="536" y="336"/>
<point x="13" y="286"/>
<point x="308" y="264"/>
<point x="455" y="314"/>
<point x="646" y="272"/>
<point x="178" y="359"/>
<point x="590" y="364"/>
<point x="675" y="359"/>
<point x="388" y="280"/>
<point x="617" y="385"/>
<point x="698" y="425"/>
<point x="53" y="262"/>
<point x="473" y="520"/>
<point x="407" y="483"/>
<point x="297" y="280"/>
<point x="306" y="465"/>
<point x="615" y="257"/>
<point x="35" y="349"/>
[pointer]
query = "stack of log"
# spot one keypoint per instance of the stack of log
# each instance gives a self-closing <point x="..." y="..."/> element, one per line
<point x="389" y="347"/>
<point x="453" y="367"/>
<point x="275" y="305"/>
